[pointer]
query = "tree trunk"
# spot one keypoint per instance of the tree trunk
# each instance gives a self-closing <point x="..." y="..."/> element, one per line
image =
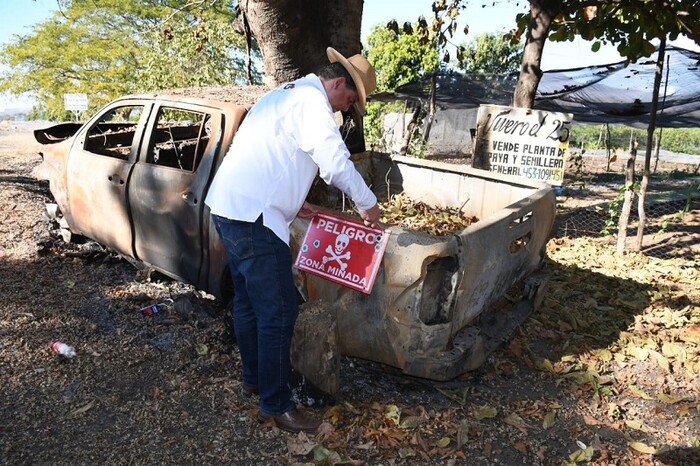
<point x="541" y="14"/>
<point x="248" y="49"/>
<point x="431" y="110"/>
<point x="657" y="149"/>
<point x="629" y="194"/>
<point x="293" y="34"/>
<point x="650" y="143"/>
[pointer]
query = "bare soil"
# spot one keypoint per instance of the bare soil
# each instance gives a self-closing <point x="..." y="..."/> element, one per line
<point x="164" y="389"/>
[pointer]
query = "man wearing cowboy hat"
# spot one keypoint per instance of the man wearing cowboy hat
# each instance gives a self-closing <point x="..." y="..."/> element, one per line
<point x="287" y="138"/>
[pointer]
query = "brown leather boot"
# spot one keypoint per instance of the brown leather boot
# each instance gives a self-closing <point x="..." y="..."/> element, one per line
<point x="292" y="421"/>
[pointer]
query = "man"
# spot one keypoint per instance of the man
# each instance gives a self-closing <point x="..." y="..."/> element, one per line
<point x="288" y="137"/>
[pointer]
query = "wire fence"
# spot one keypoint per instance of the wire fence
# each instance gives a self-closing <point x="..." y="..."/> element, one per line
<point x="672" y="209"/>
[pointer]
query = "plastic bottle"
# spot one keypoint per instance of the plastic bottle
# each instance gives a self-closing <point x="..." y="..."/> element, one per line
<point x="63" y="349"/>
<point x="154" y="309"/>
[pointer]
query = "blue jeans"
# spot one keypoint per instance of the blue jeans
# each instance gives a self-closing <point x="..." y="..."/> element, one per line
<point x="265" y="308"/>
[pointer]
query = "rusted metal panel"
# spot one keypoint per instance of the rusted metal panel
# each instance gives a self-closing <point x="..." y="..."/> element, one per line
<point x="53" y="169"/>
<point x="423" y="313"/>
<point x="97" y="199"/>
<point x="111" y="194"/>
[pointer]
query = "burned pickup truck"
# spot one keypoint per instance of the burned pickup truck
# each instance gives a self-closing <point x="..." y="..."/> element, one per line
<point x="135" y="175"/>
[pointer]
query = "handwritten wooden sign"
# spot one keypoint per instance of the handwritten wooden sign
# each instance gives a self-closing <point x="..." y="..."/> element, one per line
<point x="532" y="144"/>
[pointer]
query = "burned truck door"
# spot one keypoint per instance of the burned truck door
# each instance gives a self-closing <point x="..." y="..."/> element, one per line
<point x="166" y="195"/>
<point x="98" y="172"/>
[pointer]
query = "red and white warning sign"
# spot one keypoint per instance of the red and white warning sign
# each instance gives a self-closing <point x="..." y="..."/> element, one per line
<point x="342" y="250"/>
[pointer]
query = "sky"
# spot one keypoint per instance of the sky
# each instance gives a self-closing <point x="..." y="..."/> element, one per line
<point x="18" y="17"/>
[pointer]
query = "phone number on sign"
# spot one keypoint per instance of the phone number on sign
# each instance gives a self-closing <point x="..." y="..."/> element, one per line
<point x="533" y="173"/>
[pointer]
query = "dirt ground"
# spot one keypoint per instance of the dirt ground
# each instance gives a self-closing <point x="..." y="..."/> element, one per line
<point x="567" y="388"/>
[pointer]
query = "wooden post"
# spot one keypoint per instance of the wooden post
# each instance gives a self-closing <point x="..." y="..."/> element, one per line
<point x="431" y="110"/>
<point x="629" y="194"/>
<point x="650" y="137"/>
<point x="607" y="145"/>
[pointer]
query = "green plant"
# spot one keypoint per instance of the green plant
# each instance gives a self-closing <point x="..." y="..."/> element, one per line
<point x="684" y="140"/>
<point x="491" y="53"/>
<point x="375" y="135"/>
<point x="417" y="147"/>
<point x="613" y="210"/>
<point x="576" y="169"/>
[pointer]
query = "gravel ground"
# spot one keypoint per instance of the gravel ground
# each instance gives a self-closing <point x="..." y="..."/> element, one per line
<point x="164" y="389"/>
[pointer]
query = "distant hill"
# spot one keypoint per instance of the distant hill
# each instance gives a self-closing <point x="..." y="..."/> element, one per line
<point x="14" y="113"/>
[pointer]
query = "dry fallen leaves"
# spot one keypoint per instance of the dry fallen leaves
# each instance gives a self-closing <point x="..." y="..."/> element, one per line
<point x="597" y="307"/>
<point x="418" y="216"/>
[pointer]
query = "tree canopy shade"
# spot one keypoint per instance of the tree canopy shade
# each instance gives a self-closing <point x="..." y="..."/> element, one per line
<point x="616" y="93"/>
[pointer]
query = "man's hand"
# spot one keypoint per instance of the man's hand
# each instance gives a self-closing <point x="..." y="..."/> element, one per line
<point x="307" y="210"/>
<point x="371" y="215"/>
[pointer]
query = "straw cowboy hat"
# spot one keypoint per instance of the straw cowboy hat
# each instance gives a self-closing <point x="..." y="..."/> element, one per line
<point x="361" y="71"/>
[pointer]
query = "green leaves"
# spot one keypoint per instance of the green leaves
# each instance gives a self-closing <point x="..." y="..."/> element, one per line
<point x="398" y="56"/>
<point x="115" y="47"/>
<point x="199" y="54"/>
<point x="491" y="53"/>
<point x="631" y="25"/>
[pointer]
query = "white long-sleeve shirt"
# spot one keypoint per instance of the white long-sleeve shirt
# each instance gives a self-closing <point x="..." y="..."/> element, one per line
<point x="288" y="137"/>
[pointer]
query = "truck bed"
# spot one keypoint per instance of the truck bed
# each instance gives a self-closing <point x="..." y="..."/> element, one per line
<point x="427" y="312"/>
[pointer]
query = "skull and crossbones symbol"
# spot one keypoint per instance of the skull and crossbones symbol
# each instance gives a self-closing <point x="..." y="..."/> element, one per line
<point x="341" y="242"/>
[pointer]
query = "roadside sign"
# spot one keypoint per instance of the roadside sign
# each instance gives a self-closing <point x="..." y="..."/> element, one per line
<point x="75" y="102"/>
<point x="532" y="144"/>
<point x="342" y="250"/>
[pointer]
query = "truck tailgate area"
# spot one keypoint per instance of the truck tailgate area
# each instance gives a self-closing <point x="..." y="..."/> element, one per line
<point x="427" y="313"/>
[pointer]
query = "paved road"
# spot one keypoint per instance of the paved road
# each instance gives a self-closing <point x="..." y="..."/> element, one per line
<point x="664" y="156"/>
